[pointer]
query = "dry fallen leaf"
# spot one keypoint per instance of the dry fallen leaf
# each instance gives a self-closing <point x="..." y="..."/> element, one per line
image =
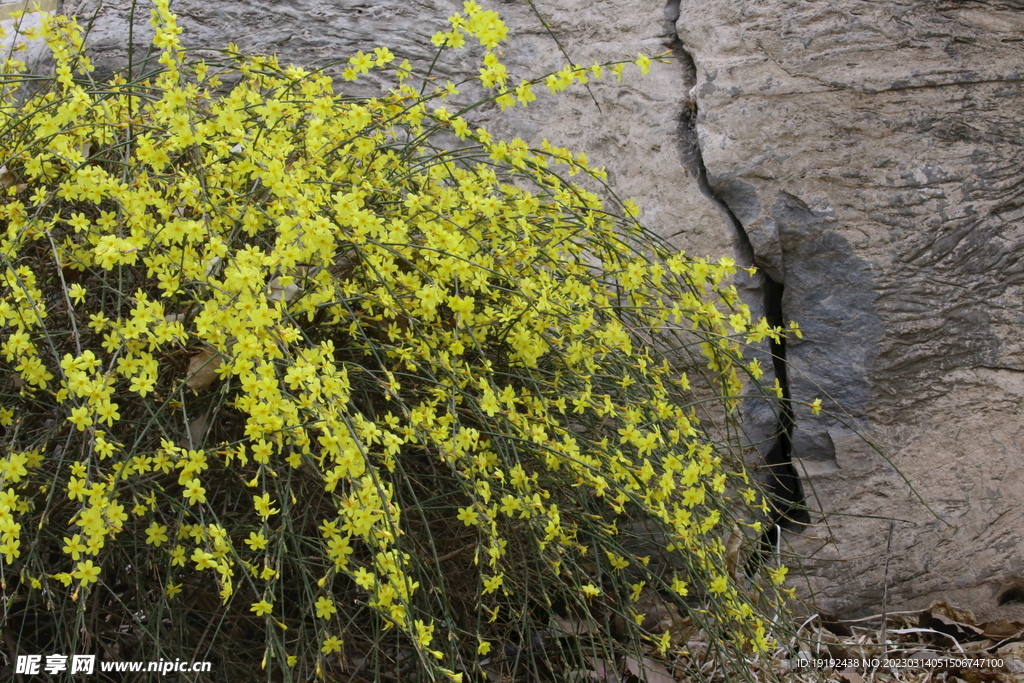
<point x="572" y="626"/>
<point x="604" y="670"/>
<point x="202" y="369"/>
<point x="1001" y="629"/>
<point x="196" y="429"/>
<point x="660" y="616"/>
<point x="850" y="675"/>
<point x="938" y="620"/>
<point x="734" y="549"/>
<point x="1015" y="650"/>
<point x="943" y="608"/>
<point x="6" y="177"/>
<point x="649" y="670"/>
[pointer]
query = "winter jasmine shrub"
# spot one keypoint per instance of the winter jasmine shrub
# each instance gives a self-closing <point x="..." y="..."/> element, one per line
<point x="321" y="387"/>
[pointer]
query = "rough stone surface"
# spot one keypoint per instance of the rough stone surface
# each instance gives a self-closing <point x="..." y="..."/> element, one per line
<point x="874" y="154"/>
<point x="6" y="8"/>
<point x="631" y="129"/>
<point x="869" y="156"/>
<point x="31" y="52"/>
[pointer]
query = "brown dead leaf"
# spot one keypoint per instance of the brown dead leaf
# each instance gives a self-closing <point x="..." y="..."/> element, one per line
<point x="837" y="652"/>
<point x="941" y="607"/>
<point x="850" y="675"/>
<point x="6" y="177"/>
<point x="649" y="670"/>
<point x="197" y="429"/>
<point x="604" y="670"/>
<point x="697" y="650"/>
<point x="660" y="616"/>
<point x="1001" y="629"/>
<point x="202" y="369"/>
<point x="984" y="676"/>
<point x="1015" y="650"/>
<point x="572" y="626"/>
<point x="939" y="621"/>
<point x="733" y="548"/>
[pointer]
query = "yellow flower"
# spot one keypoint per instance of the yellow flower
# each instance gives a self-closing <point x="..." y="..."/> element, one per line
<point x="816" y="406"/>
<point x="178" y="556"/>
<point x="331" y="644"/>
<point x="524" y="93"/>
<point x="77" y="293"/>
<point x="262" y="505"/>
<point x="760" y="641"/>
<point x="87" y="572"/>
<point x="256" y="541"/>
<point x="719" y="585"/>
<point x="173" y="589"/>
<point x="425" y="633"/>
<point x="261" y="608"/>
<point x="492" y="584"/>
<point x="142" y="384"/>
<point x="324" y="607"/>
<point x="74" y="547"/>
<point x="665" y="641"/>
<point x="590" y="590"/>
<point x="468" y="516"/>
<point x="76" y="488"/>
<point x="778" y="575"/>
<point x="383" y="55"/>
<point x="156" y="534"/>
<point x="617" y="561"/>
<point x="194" y="492"/>
<point x="80" y="418"/>
<point x="203" y="559"/>
<point x="364" y="578"/>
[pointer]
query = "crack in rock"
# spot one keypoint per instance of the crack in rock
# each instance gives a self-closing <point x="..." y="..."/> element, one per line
<point x="782" y="483"/>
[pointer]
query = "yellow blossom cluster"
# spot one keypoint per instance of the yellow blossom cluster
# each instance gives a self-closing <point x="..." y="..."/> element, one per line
<point x="283" y="340"/>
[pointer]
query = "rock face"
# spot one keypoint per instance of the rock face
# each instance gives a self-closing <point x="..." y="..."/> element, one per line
<point x="633" y="132"/>
<point x="874" y="154"/>
<point x="869" y="157"/>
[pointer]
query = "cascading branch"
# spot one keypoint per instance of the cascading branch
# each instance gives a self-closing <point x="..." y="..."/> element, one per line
<point x="346" y="374"/>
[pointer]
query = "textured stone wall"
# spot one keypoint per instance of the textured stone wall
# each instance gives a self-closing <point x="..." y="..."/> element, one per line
<point x="869" y="156"/>
<point x="874" y="154"/>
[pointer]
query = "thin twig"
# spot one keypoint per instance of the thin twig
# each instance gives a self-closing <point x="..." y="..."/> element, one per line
<point x="456" y="552"/>
<point x="885" y="588"/>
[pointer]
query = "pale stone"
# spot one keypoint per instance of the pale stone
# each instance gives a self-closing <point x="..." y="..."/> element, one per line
<point x="6" y="8"/>
<point x="873" y="153"/>
<point x="631" y="129"/>
<point x="15" y="45"/>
